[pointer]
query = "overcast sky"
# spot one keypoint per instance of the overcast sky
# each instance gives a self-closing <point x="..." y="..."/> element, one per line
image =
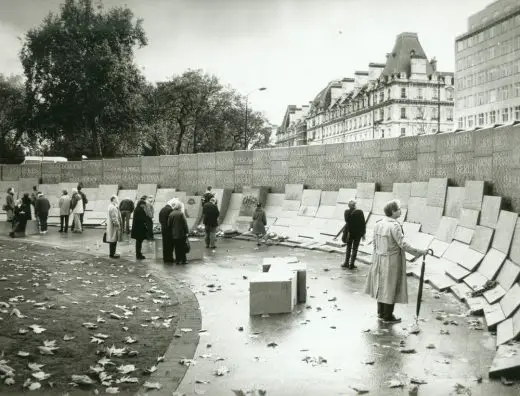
<point x="292" y="47"/>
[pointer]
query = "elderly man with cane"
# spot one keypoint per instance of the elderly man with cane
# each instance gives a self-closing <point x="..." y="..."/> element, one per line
<point x="386" y="280"/>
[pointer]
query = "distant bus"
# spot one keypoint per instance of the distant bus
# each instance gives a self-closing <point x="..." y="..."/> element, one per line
<point x="40" y="159"/>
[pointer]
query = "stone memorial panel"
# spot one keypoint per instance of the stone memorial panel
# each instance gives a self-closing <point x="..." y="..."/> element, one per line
<point x="514" y="254"/>
<point x="71" y="171"/>
<point x="511" y="300"/>
<point x="408" y="148"/>
<point x="426" y="166"/>
<point x="25" y="185"/>
<point x="112" y="165"/>
<point x="291" y="206"/>
<point x="456" y="272"/>
<point x="482" y="239"/>
<point x="401" y="192"/>
<point x="169" y="161"/>
<point x="318" y="149"/>
<point x="187" y="180"/>
<point x="454" y="200"/>
<point x="504" y="231"/>
<point x="105" y="191"/>
<point x="426" y="144"/>
<point x="151" y="165"/>
<point x="130" y="176"/>
<point x="430" y="219"/>
<point x="471" y="259"/>
<point x="131" y="162"/>
<point x="335" y="153"/>
<point x="224" y="161"/>
<point x="311" y="198"/>
<point x="410" y="228"/>
<point x="326" y="212"/>
<point x="508" y="275"/>
<point x="491" y="263"/>
<point x="474" y="192"/>
<point x="188" y="162"/>
<point x="261" y="159"/>
<point x="328" y="198"/>
<point x="345" y="195"/>
<point x="225" y="179"/>
<point x="436" y="194"/>
<point x="365" y="205"/>
<point x="483" y="168"/>
<point x="365" y="190"/>
<point x="279" y="153"/>
<point x="464" y="234"/>
<point x="419" y="189"/>
<point x="206" y="178"/>
<point x="111" y="177"/>
<point x="243" y="158"/>
<point x="169" y="177"/>
<point x="490" y="211"/>
<point x="146" y="189"/>
<point x="193" y="206"/>
<point x="446" y="230"/>
<point x="416" y="207"/>
<point x="380" y="199"/>
<point x="31" y="171"/>
<point x="279" y="168"/>
<point x="11" y="172"/>
<point x="439" y="247"/>
<point x="130" y="194"/>
<point x="243" y="177"/>
<point x="90" y="168"/>
<point x="206" y="161"/>
<point x="308" y="211"/>
<point x="250" y="198"/>
<point x="468" y="218"/>
<point x="293" y="192"/>
<point x="339" y="211"/>
<point x="505" y="333"/>
<point x="371" y="149"/>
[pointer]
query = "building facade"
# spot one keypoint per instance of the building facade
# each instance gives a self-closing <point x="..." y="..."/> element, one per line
<point x="293" y="131"/>
<point x="404" y="96"/>
<point x="487" y="83"/>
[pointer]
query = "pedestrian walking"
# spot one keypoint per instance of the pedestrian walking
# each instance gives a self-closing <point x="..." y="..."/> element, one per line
<point x="85" y="202"/>
<point x="166" y="231"/>
<point x="76" y="205"/>
<point x="41" y="210"/>
<point x="113" y="232"/>
<point x="210" y="215"/>
<point x="386" y="280"/>
<point x="9" y="204"/>
<point x="259" y="223"/>
<point x="126" y="207"/>
<point x="64" y="204"/>
<point x="149" y="217"/>
<point x="354" y="230"/>
<point x="139" y="227"/>
<point x="179" y="228"/>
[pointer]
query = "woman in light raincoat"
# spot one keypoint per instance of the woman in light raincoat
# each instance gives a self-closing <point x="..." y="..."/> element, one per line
<point x="386" y="280"/>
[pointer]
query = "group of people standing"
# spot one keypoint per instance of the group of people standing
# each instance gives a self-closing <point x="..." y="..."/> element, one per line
<point x="19" y="211"/>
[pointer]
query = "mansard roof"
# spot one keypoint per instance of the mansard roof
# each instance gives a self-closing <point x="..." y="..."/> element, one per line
<point x="323" y="99"/>
<point x="407" y="46"/>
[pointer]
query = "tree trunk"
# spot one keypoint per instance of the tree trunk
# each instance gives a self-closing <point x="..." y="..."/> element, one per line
<point x="182" y="131"/>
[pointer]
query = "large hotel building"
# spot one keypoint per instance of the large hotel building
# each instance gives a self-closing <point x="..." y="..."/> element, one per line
<point x="487" y="75"/>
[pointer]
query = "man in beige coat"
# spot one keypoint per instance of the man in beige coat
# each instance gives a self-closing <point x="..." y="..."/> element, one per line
<point x="113" y="226"/>
<point x="386" y="280"/>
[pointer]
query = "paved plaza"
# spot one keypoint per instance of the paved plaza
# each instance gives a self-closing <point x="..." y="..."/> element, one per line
<point x="332" y="345"/>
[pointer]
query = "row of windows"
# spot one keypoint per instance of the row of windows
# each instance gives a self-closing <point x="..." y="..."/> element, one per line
<point x="495" y="50"/>
<point x="488" y="33"/>
<point x="507" y="69"/>
<point x="504" y="92"/>
<point x="493" y="117"/>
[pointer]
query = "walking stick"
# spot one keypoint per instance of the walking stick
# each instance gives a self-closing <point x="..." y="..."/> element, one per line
<point x="421" y="282"/>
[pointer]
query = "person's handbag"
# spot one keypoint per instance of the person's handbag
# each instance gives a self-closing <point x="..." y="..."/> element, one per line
<point x="346" y="235"/>
<point x="105" y="237"/>
<point x="187" y="246"/>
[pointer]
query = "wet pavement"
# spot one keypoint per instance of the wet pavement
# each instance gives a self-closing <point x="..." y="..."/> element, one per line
<point x="331" y="345"/>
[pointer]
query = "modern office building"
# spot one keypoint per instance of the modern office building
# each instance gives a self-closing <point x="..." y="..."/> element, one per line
<point x="403" y="96"/>
<point x="487" y="75"/>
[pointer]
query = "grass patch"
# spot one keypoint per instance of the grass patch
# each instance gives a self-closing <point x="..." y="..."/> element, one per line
<point x="86" y="305"/>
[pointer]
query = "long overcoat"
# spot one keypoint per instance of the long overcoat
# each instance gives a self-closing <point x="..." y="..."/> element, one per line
<point x="386" y="280"/>
<point x="259" y="221"/>
<point x="113" y="223"/>
<point x="139" y="222"/>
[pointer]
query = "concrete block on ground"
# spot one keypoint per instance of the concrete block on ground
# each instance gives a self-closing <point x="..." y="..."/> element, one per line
<point x="410" y="228"/>
<point x="272" y="293"/>
<point x="457" y="273"/>
<point x="300" y="269"/>
<point x="476" y="305"/>
<point x="197" y="249"/>
<point x="328" y="198"/>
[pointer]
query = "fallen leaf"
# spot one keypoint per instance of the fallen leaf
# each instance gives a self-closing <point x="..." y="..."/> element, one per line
<point x="37" y="329"/>
<point x="96" y="340"/>
<point x="82" y="379"/>
<point x="9" y="381"/>
<point x="360" y="390"/>
<point x="17" y="313"/>
<point x="23" y="353"/>
<point x="188" y="362"/>
<point x="151" y="370"/>
<point x="35" y="386"/>
<point x="35" y="366"/>
<point x="125" y="369"/>
<point x="417" y="381"/>
<point x="395" y="384"/>
<point x="113" y="351"/>
<point x="128" y="380"/>
<point x="152" y="385"/>
<point x="112" y="390"/>
<point x="272" y="344"/>
<point x="221" y="371"/>
<point x="40" y="375"/>
<point x="408" y="350"/>
<point x="68" y="337"/>
<point x="130" y="340"/>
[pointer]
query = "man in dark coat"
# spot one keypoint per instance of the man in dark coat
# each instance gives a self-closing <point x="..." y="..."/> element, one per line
<point x="355" y="224"/>
<point x="210" y="215"/>
<point x="166" y="232"/>
<point x="126" y="207"/>
<point x="41" y="208"/>
<point x="139" y="227"/>
<point x="207" y="195"/>
<point x="179" y="229"/>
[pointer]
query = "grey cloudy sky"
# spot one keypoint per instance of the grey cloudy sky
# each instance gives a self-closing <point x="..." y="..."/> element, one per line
<point x="292" y="47"/>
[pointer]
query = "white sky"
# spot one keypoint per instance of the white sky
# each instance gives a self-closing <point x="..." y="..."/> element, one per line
<point x="292" y="47"/>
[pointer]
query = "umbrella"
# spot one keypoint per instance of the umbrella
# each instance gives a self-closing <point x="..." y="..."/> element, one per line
<point x="421" y="282"/>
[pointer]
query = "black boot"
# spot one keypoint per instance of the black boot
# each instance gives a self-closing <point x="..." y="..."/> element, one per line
<point x="380" y="310"/>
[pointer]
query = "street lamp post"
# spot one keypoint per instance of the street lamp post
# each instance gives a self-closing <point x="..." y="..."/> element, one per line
<point x="245" y="125"/>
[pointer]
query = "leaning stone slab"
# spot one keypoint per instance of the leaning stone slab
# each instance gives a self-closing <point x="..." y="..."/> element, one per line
<point x="504" y="231"/>
<point x="461" y="291"/>
<point x="481" y="239"/>
<point x="401" y="192"/>
<point x="365" y="190"/>
<point x="506" y="361"/>
<point x="457" y="273"/>
<point x="437" y="188"/>
<point x="446" y="230"/>
<point x="476" y="305"/>
<point x="345" y="195"/>
<point x="463" y="234"/>
<point x="471" y="259"/>
<point x="380" y="199"/>
<point x="416" y="206"/>
<point x="474" y="192"/>
<point x="431" y="219"/>
<point x="492" y="263"/>
<point x="439" y="247"/>
<point x="454" y="200"/>
<point x="293" y="192"/>
<point x="505" y="332"/>
<point x="514" y="254"/>
<point x="419" y="189"/>
<point x="441" y="282"/>
<point x="468" y="218"/>
<point x="490" y="211"/>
